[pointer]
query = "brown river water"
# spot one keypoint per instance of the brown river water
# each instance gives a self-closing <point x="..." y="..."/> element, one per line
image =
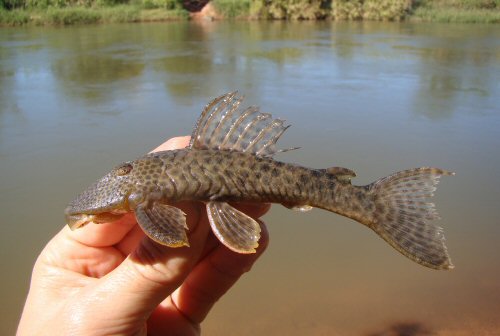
<point x="373" y="97"/>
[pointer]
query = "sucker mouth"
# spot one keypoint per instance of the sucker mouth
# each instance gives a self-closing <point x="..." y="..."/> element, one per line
<point x="76" y="221"/>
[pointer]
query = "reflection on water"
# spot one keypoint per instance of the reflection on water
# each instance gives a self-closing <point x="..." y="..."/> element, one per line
<point x="373" y="97"/>
<point x="90" y="76"/>
<point x="404" y="329"/>
<point x="280" y="55"/>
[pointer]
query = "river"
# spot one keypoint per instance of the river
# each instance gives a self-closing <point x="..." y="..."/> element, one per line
<point x="373" y="97"/>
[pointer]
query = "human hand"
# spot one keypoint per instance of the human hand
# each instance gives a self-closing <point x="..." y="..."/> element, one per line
<point x="109" y="278"/>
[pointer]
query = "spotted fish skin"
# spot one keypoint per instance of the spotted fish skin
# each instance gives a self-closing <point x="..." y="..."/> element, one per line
<point x="230" y="159"/>
<point x="224" y="176"/>
<point x="234" y="176"/>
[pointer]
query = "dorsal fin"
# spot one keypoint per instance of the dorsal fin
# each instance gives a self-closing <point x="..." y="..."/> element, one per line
<point x="223" y="126"/>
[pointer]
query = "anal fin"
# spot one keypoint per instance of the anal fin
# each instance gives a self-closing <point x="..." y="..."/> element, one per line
<point x="164" y="224"/>
<point x="237" y="231"/>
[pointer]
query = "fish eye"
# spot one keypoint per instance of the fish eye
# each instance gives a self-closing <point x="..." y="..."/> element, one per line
<point x="124" y="169"/>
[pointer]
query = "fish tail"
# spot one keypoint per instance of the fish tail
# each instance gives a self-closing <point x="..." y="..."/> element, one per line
<point x="403" y="216"/>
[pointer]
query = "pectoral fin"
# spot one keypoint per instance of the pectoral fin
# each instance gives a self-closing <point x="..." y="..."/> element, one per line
<point x="164" y="224"/>
<point x="239" y="232"/>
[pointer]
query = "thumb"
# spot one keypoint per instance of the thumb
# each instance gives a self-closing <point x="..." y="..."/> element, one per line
<point x="153" y="271"/>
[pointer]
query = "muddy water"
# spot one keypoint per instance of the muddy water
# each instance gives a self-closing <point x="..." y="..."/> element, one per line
<point x="372" y="97"/>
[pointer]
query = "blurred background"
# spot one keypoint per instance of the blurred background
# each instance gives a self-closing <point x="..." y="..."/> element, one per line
<point x="372" y="97"/>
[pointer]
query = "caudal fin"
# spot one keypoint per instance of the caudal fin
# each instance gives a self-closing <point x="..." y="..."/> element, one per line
<point x="403" y="216"/>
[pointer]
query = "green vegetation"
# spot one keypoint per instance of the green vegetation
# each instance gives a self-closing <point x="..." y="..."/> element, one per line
<point x="232" y="8"/>
<point x="378" y="10"/>
<point x="291" y="9"/>
<point x="465" y="11"/>
<point x="64" y="12"/>
<point x="84" y="15"/>
<point x="388" y="10"/>
<point x="14" y="17"/>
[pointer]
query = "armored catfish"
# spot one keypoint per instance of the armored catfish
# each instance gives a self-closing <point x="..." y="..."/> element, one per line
<point x="230" y="159"/>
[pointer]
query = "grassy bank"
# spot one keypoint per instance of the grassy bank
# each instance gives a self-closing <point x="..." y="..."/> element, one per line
<point x="84" y="15"/>
<point x="65" y="12"/>
<point x="463" y="11"/>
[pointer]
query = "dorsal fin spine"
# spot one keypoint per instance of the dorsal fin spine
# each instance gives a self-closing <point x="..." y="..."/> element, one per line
<point x="214" y="112"/>
<point x="200" y="120"/>
<point x="272" y="140"/>
<point x="223" y="126"/>
<point x="215" y="135"/>
<point x="259" y="136"/>
<point x="250" y="126"/>
<point x="236" y="124"/>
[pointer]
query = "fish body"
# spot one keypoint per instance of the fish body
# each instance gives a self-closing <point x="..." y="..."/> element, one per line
<point x="230" y="159"/>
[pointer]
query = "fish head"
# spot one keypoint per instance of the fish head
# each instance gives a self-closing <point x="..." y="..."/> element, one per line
<point x="107" y="199"/>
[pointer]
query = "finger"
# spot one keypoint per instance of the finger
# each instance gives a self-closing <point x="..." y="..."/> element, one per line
<point x="105" y="234"/>
<point x="173" y="143"/>
<point x="130" y="242"/>
<point x="70" y="254"/>
<point x="152" y="271"/>
<point x="168" y="320"/>
<point x="213" y="277"/>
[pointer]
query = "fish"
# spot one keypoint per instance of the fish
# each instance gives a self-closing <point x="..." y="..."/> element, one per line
<point x="230" y="158"/>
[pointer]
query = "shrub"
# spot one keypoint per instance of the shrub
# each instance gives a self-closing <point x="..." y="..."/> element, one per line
<point x="291" y="9"/>
<point x="120" y="13"/>
<point x="308" y="10"/>
<point x="11" y="4"/>
<point x="105" y="3"/>
<point x="232" y="8"/>
<point x="13" y="17"/>
<point x="347" y="9"/>
<point x="67" y="16"/>
<point x="164" y="4"/>
<point x="43" y="4"/>
<point x="386" y="10"/>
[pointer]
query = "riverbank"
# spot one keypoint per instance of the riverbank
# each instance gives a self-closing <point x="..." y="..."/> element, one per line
<point x="62" y="12"/>
<point x="458" y="11"/>
<point x="84" y="15"/>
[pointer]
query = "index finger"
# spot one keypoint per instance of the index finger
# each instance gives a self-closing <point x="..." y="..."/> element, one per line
<point x="173" y="143"/>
